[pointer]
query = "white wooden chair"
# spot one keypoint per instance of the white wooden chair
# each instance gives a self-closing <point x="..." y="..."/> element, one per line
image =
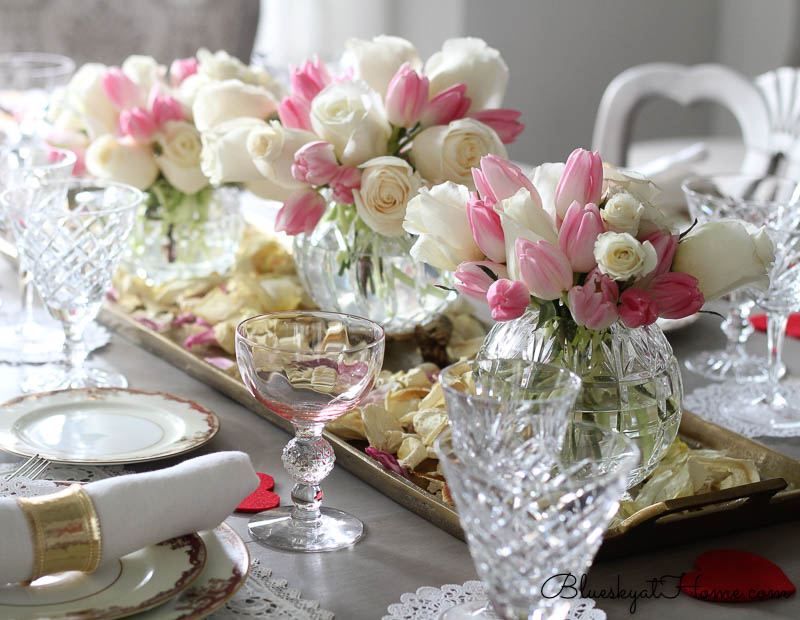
<point x="685" y="85"/>
<point x="781" y="92"/>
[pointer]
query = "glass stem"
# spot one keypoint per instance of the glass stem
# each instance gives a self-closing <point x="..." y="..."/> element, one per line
<point x="26" y="294"/>
<point x="736" y="325"/>
<point x="75" y="350"/>
<point x="776" y="334"/>
<point x="308" y="458"/>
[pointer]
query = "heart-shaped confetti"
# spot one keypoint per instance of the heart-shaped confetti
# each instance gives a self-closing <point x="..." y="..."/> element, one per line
<point x="262" y="498"/>
<point x="732" y="576"/>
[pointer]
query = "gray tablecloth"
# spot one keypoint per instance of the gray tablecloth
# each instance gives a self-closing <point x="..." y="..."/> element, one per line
<point x="402" y="551"/>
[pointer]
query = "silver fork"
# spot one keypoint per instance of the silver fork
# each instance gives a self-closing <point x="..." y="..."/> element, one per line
<point x="33" y="468"/>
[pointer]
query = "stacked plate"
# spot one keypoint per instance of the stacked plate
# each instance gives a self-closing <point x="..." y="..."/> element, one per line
<point x="186" y="577"/>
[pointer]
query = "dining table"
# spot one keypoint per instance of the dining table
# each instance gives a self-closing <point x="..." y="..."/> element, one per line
<point x="402" y="551"/>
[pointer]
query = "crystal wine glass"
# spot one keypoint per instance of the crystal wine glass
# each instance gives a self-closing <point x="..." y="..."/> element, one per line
<point x="27" y="80"/>
<point x="528" y="519"/>
<point x="72" y="243"/>
<point x="30" y="170"/>
<point x="310" y="368"/>
<point x="722" y="196"/>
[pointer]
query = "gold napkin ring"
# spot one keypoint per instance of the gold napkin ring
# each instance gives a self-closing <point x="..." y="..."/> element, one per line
<point x="65" y="530"/>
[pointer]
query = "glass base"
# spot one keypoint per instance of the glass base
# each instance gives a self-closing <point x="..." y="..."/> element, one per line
<point x="56" y="377"/>
<point x="723" y="366"/>
<point x="334" y="530"/>
<point x="31" y="343"/>
<point x="755" y="405"/>
<point x="483" y="610"/>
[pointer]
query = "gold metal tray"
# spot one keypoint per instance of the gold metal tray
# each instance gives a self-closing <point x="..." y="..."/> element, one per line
<point x="775" y="499"/>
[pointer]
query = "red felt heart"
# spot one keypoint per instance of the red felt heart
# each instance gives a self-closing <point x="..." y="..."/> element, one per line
<point x="759" y="321"/>
<point x="732" y="576"/>
<point x="262" y="498"/>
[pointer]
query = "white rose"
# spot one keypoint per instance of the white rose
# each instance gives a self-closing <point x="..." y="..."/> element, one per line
<point x="377" y="61"/>
<point x="522" y="216"/>
<point x="653" y="219"/>
<point x="125" y="162"/>
<point x="450" y="152"/>
<point x="220" y="65"/>
<point x="632" y="182"/>
<point x="725" y="255"/>
<point x="622" y="213"/>
<point x="439" y="216"/>
<point x="621" y="257"/>
<point x="187" y="91"/>
<point x="180" y="156"/>
<point x="145" y="71"/>
<point x="350" y="116"/>
<point x="272" y="147"/>
<point x="218" y="102"/>
<point x="387" y="184"/>
<point x="225" y="158"/>
<point x="472" y="62"/>
<point x="266" y="189"/>
<point x="87" y="98"/>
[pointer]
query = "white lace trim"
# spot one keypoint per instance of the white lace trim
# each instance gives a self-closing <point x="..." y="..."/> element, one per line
<point x="429" y="603"/>
<point x="22" y="487"/>
<point x="705" y="402"/>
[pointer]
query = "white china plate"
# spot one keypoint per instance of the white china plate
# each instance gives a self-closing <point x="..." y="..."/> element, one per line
<point x="670" y="325"/>
<point x="136" y="582"/>
<point x="104" y="426"/>
<point x="227" y="568"/>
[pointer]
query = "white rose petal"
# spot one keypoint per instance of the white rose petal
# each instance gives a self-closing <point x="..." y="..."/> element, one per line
<point x="124" y="162"/>
<point x="272" y="147"/>
<point x="225" y="158"/>
<point x="376" y="61"/>
<point x="439" y="216"/>
<point x="725" y="255"/>
<point x="450" y="152"/>
<point x="472" y="62"/>
<point x="218" y="102"/>
<point x="621" y="257"/>
<point x="220" y="65"/>
<point x="179" y="160"/>
<point x="632" y="182"/>
<point x="387" y="184"/>
<point x="87" y="98"/>
<point x="350" y="116"/>
<point x="622" y="213"/>
<point x="545" y="179"/>
<point x="145" y="71"/>
<point x="521" y="216"/>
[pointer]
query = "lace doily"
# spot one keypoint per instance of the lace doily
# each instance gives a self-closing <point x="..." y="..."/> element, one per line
<point x="428" y="603"/>
<point x="23" y="487"/>
<point x="71" y="473"/>
<point x="265" y="596"/>
<point x="705" y="402"/>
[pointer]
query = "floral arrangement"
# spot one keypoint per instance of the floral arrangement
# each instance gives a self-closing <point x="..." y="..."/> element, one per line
<point x="370" y="138"/>
<point x="580" y="241"/>
<point x="140" y="123"/>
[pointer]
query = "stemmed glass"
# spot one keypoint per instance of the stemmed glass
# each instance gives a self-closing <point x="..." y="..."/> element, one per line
<point x="31" y="171"/>
<point x="310" y="368"/>
<point x="72" y="243"/>
<point x="27" y="80"/>
<point x="723" y="196"/>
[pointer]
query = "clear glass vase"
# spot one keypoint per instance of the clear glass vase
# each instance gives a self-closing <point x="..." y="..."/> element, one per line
<point x="197" y="236"/>
<point x="375" y="278"/>
<point x="631" y="379"/>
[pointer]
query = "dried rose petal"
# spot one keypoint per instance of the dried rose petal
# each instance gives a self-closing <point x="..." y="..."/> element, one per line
<point x="184" y="319"/>
<point x="150" y="323"/>
<point x="206" y="337"/>
<point x="387" y="460"/>
<point x="223" y="363"/>
<point x="112" y="294"/>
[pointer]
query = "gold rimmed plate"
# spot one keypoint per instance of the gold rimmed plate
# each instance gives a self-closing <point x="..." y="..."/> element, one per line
<point x="104" y="426"/>
<point x="137" y="582"/>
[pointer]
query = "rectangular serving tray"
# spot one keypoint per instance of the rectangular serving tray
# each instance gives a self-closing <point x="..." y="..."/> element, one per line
<point x="776" y="498"/>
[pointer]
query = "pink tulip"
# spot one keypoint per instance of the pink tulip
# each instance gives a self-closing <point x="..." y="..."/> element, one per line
<point x="507" y="299"/>
<point x="137" y="123"/>
<point x="487" y="230"/>
<point x="636" y="308"/>
<point x="300" y="213"/>
<point x="449" y="105"/>
<point x="180" y="69"/>
<point x="499" y="179"/>
<point x="582" y="180"/>
<point x="122" y="90"/>
<point x="315" y="163"/>
<point x="406" y="97"/>
<point x="294" y="112"/>
<point x="665" y="246"/>
<point x="578" y="233"/>
<point x="676" y="295"/>
<point x="474" y="282"/>
<point x="544" y="268"/>
<point x="505" y="122"/>
<point x="595" y="303"/>
<point x="309" y="79"/>
<point x="346" y="180"/>
<point x="166" y="108"/>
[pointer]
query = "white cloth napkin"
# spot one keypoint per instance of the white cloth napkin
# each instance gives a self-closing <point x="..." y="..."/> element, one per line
<point x="142" y="509"/>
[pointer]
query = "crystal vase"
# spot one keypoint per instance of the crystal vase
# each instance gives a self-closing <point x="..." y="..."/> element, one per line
<point x="631" y="379"/>
<point x="373" y="276"/>
<point x="191" y="237"/>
